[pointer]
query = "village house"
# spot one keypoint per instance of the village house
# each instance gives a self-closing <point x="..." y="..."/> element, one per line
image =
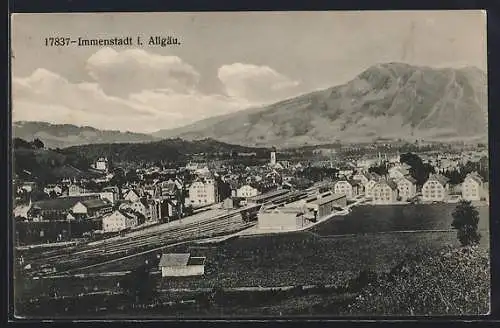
<point x="384" y="192"/>
<point x="203" y="191"/>
<point x="114" y="190"/>
<point x="273" y="177"/>
<point x="154" y="210"/>
<point x="92" y="208"/>
<point x="398" y="171"/>
<point x="28" y="186"/>
<point x="246" y="191"/>
<point x="118" y="221"/>
<point x="357" y="188"/>
<point x="284" y="219"/>
<point x="472" y="187"/>
<point x="132" y="195"/>
<point x="407" y="187"/>
<point x="55" y="209"/>
<point x="361" y="176"/>
<point x="101" y="164"/>
<point x="325" y="204"/>
<point x="169" y="199"/>
<point x="56" y="189"/>
<point x="435" y="189"/>
<point x="142" y="207"/>
<point x="344" y="187"/>
<point x="345" y="172"/>
<point x="234" y="186"/>
<point x="181" y="265"/>
<point x="373" y="179"/>
<point x="75" y="190"/>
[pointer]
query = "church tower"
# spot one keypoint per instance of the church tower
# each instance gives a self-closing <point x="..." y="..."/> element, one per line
<point x="273" y="156"/>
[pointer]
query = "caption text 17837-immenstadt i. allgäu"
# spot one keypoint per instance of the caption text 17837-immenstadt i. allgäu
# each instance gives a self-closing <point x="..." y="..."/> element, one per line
<point x="161" y="41"/>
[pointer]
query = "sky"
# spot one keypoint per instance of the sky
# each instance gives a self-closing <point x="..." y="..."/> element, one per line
<point x="225" y="62"/>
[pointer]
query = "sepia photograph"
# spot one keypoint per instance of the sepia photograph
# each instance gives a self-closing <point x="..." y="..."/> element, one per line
<point x="238" y="165"/>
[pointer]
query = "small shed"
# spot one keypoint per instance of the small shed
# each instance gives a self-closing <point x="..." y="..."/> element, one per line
<point x="181" y="265"/>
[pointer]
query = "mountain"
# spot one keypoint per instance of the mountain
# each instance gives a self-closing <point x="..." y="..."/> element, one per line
<point x="65" y="135"/>
<point x="393" y="100"/>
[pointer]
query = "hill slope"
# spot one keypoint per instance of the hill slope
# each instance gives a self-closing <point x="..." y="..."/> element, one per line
<point x="32" y="163"/>
<point x="455" y="282"/>
<point x="164" y="150"/>
<point x="388" y="100"/>
<point x="65" y="135"/>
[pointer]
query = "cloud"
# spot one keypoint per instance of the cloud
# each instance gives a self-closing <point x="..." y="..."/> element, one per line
<point x="46" y="96"/>
<point x="134" y="70"/>
<point x="256" y="83"/>
<point x="138" y="91"/>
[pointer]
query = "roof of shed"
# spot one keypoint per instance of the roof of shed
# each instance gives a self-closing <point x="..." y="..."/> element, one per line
<point x="174" y="259"/>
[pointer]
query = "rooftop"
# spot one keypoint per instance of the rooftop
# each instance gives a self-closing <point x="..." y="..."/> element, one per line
<point x="62" y="203"/>
<point x="271" y="194"/>
<point x="174" y="259"/>
<point x="329" y="198"/>
<point x="95" y="203"/>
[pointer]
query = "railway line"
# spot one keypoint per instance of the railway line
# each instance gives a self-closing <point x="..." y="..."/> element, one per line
<point x="87" y="255"/>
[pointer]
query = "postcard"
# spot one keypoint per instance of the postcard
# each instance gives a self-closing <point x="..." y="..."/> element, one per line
<point x="250" y="165"/>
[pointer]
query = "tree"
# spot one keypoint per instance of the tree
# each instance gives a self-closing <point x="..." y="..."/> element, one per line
<point x="380" y="170"/>
<point x="52" y="194"/>
<point x="132" y="176"/>
<point x="38" y="144"/>
<point x="465" y="220"/>
<point x="418" y="170"/>
<point x="139" y="284"/>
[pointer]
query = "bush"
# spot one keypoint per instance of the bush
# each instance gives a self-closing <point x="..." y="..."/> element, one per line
<point x="465" y="220"/>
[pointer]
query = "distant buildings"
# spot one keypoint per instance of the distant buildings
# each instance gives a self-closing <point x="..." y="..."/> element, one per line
<point x="472" y="187"/>
<point x="435" y="189"/>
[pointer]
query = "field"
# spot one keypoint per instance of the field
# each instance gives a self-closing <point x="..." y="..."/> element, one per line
<point x="382" y="218"/>
<point x="320" y="258"/>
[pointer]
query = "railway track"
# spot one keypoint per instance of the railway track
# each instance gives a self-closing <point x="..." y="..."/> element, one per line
<point x="107" y="251"/>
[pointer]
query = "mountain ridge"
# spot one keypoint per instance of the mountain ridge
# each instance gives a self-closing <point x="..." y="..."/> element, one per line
<point x="66" y="135"/>
<point x="389" y="100"/>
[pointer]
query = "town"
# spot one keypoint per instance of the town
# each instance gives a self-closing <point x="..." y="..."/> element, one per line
<point x="116" y="202"/>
